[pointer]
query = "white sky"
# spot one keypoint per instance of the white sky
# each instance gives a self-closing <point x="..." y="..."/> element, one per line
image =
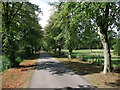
<point x="46" y="10"/>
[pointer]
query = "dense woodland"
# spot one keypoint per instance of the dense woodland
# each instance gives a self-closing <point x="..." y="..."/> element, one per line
<point x="72" y="26"/>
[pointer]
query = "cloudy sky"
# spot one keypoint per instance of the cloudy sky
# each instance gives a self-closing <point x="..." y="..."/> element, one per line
<point x="46" y="9"/>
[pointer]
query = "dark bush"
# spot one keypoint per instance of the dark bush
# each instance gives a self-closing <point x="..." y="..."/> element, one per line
<point x="28" y="51"/>
<point x="23" y="54"/>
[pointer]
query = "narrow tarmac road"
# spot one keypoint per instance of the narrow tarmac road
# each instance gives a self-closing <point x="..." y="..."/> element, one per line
<point x="50" y="73"/>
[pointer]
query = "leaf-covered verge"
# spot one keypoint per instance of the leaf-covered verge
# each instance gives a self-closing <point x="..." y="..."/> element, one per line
<point x="19" y="77"/>
<point x="92" y="73"/>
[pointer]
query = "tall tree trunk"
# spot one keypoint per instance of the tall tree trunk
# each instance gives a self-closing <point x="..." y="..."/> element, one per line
<point x="107" y="56"/>
<point x="102" y="22"/>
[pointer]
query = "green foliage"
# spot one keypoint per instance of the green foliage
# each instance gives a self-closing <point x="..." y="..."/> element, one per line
<point x="5" y="63"/>
<point x="20" y="29"/>
<point x="117" y="48"/>
<point x="80" y="23"/>
<point x="23" y="54"/>
<point x="18" y="60"/>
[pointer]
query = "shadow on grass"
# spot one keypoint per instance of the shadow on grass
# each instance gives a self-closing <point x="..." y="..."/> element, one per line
<point x="114" y="84"/>
<point x="56" y="55"/>
<point x="115" y="58"/>
<point x="80" y="53"/>
<point x="83" y="68"/>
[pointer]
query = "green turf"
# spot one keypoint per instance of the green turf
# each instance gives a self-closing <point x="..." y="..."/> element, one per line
<point x="90" y="56"/>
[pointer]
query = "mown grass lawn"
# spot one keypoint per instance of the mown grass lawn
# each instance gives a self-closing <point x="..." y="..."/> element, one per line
<point x="94" y="54"/>
<point x="91" y="72"/>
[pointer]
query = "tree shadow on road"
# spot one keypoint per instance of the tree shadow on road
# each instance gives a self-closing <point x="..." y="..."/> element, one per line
<point x="63" y="68"/>
<point x="53" y="67"/>
<point x="67" y="68"/>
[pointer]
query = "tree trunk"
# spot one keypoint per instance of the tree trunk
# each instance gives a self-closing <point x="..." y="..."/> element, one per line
<point x="69" y="54"/>
<point x="59" y="50"/>
<point x="12" y="59"/>
<point x="90" y="49"/>
<point x="55" y="50"/>
<point x="32" y="50"/>
<point x="11" y="53"/>
<point x="107" y="56"/>
<point x="36" y="49"/>
<point x="102" y="22"/>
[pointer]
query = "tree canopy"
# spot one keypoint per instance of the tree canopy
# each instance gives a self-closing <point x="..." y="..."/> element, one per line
<point x="20" y="28"/>
<point x="85" y="24"/>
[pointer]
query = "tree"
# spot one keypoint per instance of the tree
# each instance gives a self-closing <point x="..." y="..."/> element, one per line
<point x="54" y="33"/>
<point x="103" y="15"/>
<point x="0" y="28"/>
<point x="16" y="24"/>
<point x="65" y="22"/>
<point x="9" y="12"/>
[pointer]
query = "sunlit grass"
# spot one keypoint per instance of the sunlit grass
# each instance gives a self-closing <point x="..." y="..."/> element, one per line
<point x="90" y="55"/>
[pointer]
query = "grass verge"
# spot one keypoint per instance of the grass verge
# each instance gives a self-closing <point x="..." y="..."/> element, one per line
<point x="19" y="77"/>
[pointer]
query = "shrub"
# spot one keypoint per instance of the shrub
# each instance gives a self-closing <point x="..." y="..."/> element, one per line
<point x="5" y="63"/>
<point x="18" y="60"/>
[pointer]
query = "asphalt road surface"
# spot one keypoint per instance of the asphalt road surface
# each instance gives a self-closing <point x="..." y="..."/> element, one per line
<point x="50" y="73"/>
